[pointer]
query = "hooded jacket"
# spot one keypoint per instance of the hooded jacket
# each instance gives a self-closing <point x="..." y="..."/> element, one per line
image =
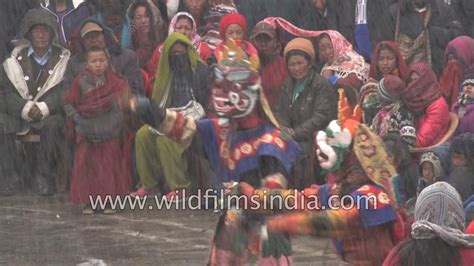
<point x="22" y="90"/>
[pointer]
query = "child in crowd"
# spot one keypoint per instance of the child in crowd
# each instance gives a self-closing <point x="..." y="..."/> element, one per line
<point x="431" y="170"/>
<point x="464" y="107"/>
<point x="97" y="127"/>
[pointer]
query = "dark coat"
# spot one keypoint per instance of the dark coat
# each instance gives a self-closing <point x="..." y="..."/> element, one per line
<point x="22" y="89"/>
<point x="312" y="111"/>
<point x="339" y="17"/>
<point x="464" y="9"/>
<point x="442" y="28"/>
<point x="16" y="98"/>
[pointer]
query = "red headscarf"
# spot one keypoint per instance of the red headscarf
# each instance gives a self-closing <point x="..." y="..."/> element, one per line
<point x="421" y="93"/>
<point x="401" y="70"/>
<point x="463" y="50"/>
<point x="230" y="19"/>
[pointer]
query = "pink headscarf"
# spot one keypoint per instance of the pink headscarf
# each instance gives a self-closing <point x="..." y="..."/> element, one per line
<point x="346" y="60"/>
<point x="463" y="49"/>
<point x="195" y="38"/>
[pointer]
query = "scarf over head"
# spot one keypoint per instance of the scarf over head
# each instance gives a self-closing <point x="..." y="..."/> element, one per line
<point x="230" y="19"/>
<point x="439" y="214"/>
<point x="195" y="38"/>
<point x="164" y="75"/>
<point x="421" y="93"/>
<point x="401" y="70"/>
<point x="346" y="62"/>
<point x="463" y="50"/>
<point x="156" y="20"/>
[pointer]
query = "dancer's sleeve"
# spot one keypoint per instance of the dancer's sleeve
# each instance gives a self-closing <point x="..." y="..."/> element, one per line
<point x="330" y="223"/>
<point x="165" y="121"/>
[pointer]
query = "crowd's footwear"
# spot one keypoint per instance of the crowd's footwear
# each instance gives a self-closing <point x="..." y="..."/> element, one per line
<point x="109" y="210"/>
<point x="141" y="192"/>
<point x="88" y="210"/>
<point x="175" y="197"/>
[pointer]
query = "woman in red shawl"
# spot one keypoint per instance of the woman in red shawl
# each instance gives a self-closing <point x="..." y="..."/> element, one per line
<point x="459" y="61"/>
<point x="423" y="97"/>
<point x="387" y="60"/>
<point x="97" y="127"/>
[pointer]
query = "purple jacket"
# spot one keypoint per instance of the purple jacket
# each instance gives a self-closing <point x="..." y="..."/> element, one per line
<point x="466" y="123"/>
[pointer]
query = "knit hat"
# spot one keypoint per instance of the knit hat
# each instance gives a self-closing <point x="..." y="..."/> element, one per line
<point x="435" y="161"/>
<point x="469" y="80"/>
<point x="301" y="44"/>
<point x="390" y="88"/>
<point x="230" y="19"/>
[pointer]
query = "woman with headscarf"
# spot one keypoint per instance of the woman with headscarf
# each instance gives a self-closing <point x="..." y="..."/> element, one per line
<point x="181" y="83"/>
<point x="393" y="116"/>
<point x="424" y="99"/>
<point x="307" y="102"/>
<point x="439" y="227"/>
<point x="234" y="26"/>
<point x="198" y="9"/>
<point x="459" y="63"/>
<point x="147" y="27"/>
<point x="183" y="23"/>
<point x="386" y="60"/>
<point x="341" y="64"/>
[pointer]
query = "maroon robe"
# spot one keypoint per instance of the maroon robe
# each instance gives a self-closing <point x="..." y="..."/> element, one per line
<point x="100" y="168"/>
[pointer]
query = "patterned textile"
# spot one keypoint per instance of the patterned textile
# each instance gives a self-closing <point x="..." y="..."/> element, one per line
<point x="234" y="153"/>
<point x="395" y="118"/>
<point x="347" y="61"/>
<point x="370" y="152"/>
<point x="417" y="49"/>
<point x="439" y="214"/>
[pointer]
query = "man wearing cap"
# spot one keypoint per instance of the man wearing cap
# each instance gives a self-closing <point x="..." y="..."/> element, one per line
<point x="124" y="61"/>
<point x="31" y="83"/>
<point x="274" y="71"/>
